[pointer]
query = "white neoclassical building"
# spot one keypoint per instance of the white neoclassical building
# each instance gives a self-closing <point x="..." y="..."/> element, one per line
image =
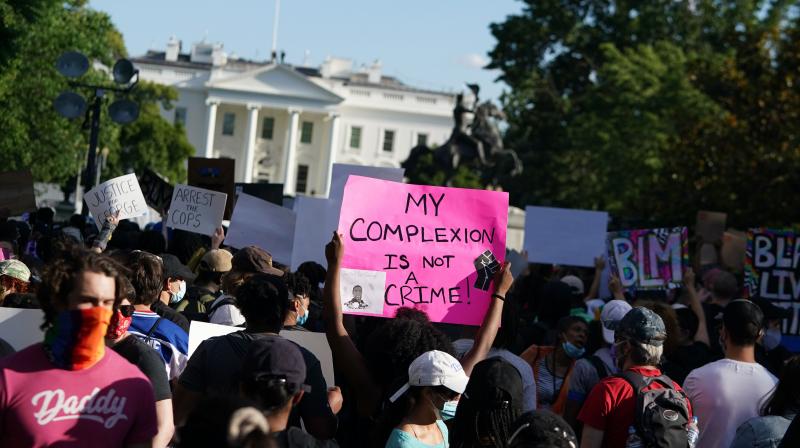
<point x="289" y="124"/>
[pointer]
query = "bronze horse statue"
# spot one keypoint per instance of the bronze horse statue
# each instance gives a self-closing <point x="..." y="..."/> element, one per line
<point x="476" y="141"/>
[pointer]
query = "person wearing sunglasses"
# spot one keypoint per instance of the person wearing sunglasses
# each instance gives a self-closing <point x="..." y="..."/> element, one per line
<point x="146" y="359"/>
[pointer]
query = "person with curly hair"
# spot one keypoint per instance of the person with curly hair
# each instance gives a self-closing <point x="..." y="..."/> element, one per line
<point x="299" y="302"/>
<point x="41" y="386"/>
<point x="14" y="278"/>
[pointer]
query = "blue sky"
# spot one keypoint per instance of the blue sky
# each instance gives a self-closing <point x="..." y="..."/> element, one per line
<point x="434" y="44"/>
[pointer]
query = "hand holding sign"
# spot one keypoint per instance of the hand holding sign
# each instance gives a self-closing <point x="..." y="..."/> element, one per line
<point x="121" y="194"/>
<point x="334" y="250"/>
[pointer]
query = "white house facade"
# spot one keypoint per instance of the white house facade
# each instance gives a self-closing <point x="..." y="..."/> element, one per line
<point x="289" y="124"/>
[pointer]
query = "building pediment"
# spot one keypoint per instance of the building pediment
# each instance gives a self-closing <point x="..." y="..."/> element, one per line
<point x="275" y="80"/>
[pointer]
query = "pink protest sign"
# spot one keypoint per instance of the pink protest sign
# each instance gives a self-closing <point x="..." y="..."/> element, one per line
<point x="430" y="248"/>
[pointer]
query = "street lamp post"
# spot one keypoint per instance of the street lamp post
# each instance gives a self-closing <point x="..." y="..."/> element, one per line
<point x="72" y="105"/>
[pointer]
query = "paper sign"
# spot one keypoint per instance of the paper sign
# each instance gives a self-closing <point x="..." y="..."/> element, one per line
<point x="266" y="192"/>
<point x="734" y="246"/>
<point x="16" y="192"/>
<point x="711" y="226"/>
<point x="649" y="259"/>
<point x="120" y="193"/>
<point x="20" y="327"/>
<point x="316" y="343"/>
<point x="341" y="172"/>
<point x="439" y="247"/>
<point x="362" y="291"/>
<point x="314" y="214"/>
<point x="214" y="174"/>
<point x="260" y="223"/>
<point x="156" y="190"/>
<point x="563" y="236"/>
<point x="196" y="209"/>
<point x="518" y="262"/>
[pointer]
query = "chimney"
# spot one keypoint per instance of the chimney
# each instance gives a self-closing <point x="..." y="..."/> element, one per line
<point x="374" y="72"/>
<point x="173" y="49"/>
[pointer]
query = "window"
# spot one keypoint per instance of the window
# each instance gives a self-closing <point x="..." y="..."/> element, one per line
<point x="307" y="132"/>
<point x="228" y="123"/>
<point x="180" y="116"/>
<point x="302" y="179"/>
<point x="388" y="141"/>
<point x="355" y="137"/>
<point x="267" y="127"/>
<point x="422" y="139"/>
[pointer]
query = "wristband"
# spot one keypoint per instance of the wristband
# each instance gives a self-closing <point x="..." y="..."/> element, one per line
<point x="498" y="296"/>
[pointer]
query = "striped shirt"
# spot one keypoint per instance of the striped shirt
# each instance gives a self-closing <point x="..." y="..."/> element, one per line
<point x="547" y="385"/>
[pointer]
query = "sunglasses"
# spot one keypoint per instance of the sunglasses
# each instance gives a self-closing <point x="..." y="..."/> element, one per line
<point x="126" y="310"/>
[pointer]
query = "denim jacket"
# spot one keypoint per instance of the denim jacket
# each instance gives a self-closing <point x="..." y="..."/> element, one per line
<point x="762" y="432"/>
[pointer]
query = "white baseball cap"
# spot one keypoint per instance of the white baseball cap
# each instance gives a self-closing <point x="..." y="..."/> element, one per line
<point x="613" y="311"/>
<point x="434" y="368"/>
<point x="575" y="283"/>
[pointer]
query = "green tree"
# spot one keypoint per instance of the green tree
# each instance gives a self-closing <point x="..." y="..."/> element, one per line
<point x="34" y="136"/>
<point x="653" y="110"/>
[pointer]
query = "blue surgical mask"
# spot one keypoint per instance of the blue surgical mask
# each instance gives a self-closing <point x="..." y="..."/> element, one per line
<point x="449" y="410"/>
<point x="572" y="350"/>
<point x="302" y="319"/>
<point x="178" y="296"/>
<point x="772" y="338"/>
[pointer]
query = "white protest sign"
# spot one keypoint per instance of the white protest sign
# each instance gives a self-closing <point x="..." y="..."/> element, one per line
<point x="120" y="193"/>
<point x="563" y="236"/>
<point x="196" y="209"/>
<point x="309" y="242"/>
<point x="341" y="172"/>
<point x="316" y="343"/>
<point x="20" y="327"/>
<point x="263" y="224"/>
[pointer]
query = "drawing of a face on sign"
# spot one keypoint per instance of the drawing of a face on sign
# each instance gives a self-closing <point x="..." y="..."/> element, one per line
<point x="362" y="291"/>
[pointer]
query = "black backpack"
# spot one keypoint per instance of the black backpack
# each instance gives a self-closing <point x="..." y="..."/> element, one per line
<point x="662" y="415"/>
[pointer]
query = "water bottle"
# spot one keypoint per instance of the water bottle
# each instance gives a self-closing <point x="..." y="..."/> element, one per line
<point x="633" y="439"/>
<point x="693" y="432"/>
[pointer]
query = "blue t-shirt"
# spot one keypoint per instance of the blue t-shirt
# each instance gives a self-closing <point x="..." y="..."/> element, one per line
<point x="402" y="439"/>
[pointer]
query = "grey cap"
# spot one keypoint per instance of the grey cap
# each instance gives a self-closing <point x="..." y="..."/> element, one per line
<point x="642" y="325"/>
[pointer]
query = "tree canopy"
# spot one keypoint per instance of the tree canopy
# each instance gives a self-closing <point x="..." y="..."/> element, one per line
<point x="34" y="136"/>
<point x="652" y="109"/>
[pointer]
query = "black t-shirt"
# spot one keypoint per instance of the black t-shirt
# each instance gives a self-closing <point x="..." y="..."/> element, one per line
<point x="685" y="359"/>
<point x="294" y="437"/>
<point x="6" y="349"/>
<point x="149" y="362"/>
<point x="215" y="369"/>
<point x="168" y="313"/>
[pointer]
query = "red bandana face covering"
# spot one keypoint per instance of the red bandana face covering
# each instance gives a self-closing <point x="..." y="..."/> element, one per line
<point x="119" y="325"/>
<point x="77" y="340"/>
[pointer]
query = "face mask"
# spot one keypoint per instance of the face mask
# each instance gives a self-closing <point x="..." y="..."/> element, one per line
<point x="772" y="338"/>
<point x="77" y="340"/>
<point x="178" y="296"/>
<point x="449" y="410"/>
<point x="572" y="350"/>
<point x="119" y="325"/>
<point x="302" y="319"/>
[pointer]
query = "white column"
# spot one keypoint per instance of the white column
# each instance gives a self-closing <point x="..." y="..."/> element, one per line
<point x="290" y="153"/>
<point x="211" y="125"/>
<point x="332" y="146"/>
<point x="250" y="142"/>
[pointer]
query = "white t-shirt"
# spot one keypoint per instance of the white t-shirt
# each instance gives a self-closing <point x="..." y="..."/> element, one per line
<point x="725" y="394"/>
<point x="226" y="314"/>
<point x="462" y="346"/>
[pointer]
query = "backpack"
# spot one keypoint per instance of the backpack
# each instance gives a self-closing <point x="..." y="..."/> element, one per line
<point x="198" y="305"/>
<point x="661" y="415"/>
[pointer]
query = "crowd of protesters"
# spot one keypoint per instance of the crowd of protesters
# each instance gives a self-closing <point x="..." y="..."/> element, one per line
<point x="552" y="364"/>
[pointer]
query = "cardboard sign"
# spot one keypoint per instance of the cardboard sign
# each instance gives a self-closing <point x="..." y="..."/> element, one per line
<point x="316" y="343"/>
<point x="438" y="247"/>
<point x="710" y="226"/>
<point x="118" y="194"/>
<point x="649" y="259"/>
<point x="20" y="327"/>
<point x="734" y="248"/>
<point x="563" y="236"/>
<point x="157" y="191"/>
<point x="214" y="174"/>
<point x="196" y="209"/>
<point x="260" y="223"/>
<point x="16" y="192"/>
<point x="272" y="193"/>
<point x="518" y="262"/>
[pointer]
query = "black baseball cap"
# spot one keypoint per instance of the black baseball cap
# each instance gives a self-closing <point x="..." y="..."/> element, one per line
<point x="173" y="268"/>
<point x="770" y="310"/>
<point x="495" y="384"/>
<point x="276" y="357"/>
<point x="641" y="325"/>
